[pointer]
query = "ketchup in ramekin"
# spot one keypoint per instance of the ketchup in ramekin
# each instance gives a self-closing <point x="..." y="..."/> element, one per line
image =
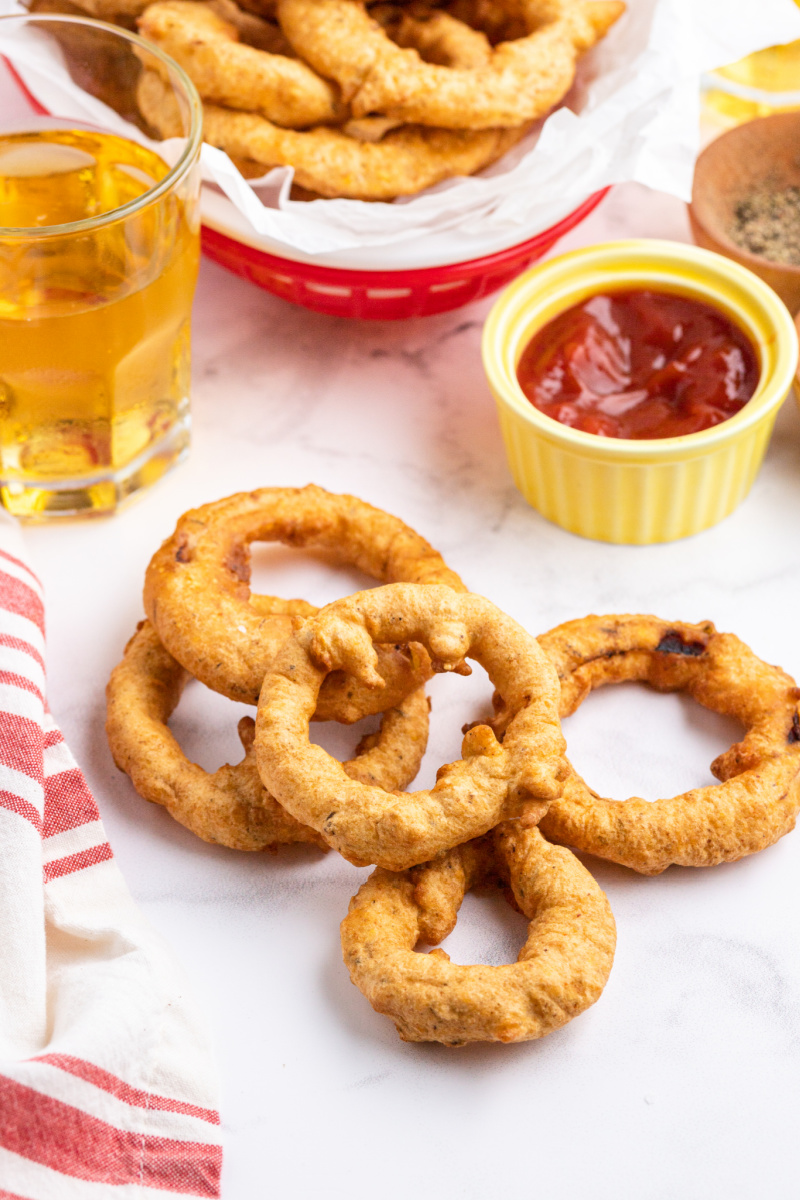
<point x="639" y="364"/>
<point x="637" y="491"/>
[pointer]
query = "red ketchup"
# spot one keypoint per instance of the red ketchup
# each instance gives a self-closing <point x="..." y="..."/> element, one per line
<point x="639" y="364"/>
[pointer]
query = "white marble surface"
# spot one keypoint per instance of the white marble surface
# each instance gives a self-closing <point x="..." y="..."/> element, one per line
<point x="683" y="1080"/>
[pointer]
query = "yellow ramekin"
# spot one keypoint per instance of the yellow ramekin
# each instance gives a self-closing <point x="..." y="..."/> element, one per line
<point x="620" y="490"/>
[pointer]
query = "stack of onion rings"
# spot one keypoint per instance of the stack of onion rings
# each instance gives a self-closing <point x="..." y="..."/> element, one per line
<point x="365" y="108"/>
<point x="369" y="653"/>
<point x="522" y="79"/>
<point x="331" y="162"/>
<point x="198" y="597"/>
<point x="365" y="103"/>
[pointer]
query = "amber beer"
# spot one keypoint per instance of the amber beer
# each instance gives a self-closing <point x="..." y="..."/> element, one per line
<point x="98" y="264"/>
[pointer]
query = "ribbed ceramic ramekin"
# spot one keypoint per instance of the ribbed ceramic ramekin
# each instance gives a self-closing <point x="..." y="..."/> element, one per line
<point x="620" y="490"/>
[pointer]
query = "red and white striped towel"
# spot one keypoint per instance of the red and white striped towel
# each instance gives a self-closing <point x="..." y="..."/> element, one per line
<point x="106" y="1080"/>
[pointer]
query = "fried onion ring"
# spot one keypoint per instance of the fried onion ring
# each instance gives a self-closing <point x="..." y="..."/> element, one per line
<point x="490" y="783"/>
<point x="196" y="590"/>
<point x="560" y="971"/>
<point x="759" y="796"/>
<point x="226" y="71"/>
<point x="231" y="807"/>
<point x="328" y="161"/>
<point x="522" y="81"/>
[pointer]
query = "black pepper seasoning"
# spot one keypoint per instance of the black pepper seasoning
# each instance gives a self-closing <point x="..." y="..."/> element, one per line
<point x="767" y="223"/>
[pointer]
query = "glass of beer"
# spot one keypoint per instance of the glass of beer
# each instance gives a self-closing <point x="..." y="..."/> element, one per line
<point x="99" y="245"/>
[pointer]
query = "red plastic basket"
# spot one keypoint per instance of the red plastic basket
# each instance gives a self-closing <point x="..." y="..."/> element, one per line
<point x="386" y="295"/>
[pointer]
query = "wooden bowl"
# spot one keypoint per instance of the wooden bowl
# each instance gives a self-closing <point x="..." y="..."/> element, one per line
<point x="758" y="154"/>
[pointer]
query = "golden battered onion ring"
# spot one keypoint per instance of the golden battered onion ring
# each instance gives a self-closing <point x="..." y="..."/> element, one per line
<point x="328" y="161"/>
<point x="522" y="81"/>
<point x="561" y="969"/>
<point x="759" y="797"/>
<point x="230" y="807"/>
<point x="196" y="590"/>
<point x="226" y="71"/>
<point x="490" y="783"/>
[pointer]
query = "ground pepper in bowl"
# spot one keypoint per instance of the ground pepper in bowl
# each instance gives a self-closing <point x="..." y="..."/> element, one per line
<point x="767" y="223"/>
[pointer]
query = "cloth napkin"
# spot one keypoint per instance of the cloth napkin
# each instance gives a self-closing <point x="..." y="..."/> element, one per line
<point x="106" y="1080"/>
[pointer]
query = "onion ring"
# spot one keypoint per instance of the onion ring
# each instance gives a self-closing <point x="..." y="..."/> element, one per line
<point x="228" y="72"/>
<point x="759" y="796"/>
<point x="561" y="969"/>
<point x="197" y="596"/>
<point x="491" y="782"/>
<point x="231" y="807"/>
<point x="522" y="81"/>
<point x="328" y="161"/>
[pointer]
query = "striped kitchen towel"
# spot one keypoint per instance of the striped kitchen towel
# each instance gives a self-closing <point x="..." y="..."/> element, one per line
<point x="106" y="1079"/>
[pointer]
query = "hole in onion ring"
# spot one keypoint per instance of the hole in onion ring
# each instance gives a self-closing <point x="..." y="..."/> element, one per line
<point x="611" y="740"/>
<point x="455" y="701"/>
<point x="341" y="740"/>
<point x="204" y="725"/>
<point x="277" y="570"/>
<point x="488" y="931"/>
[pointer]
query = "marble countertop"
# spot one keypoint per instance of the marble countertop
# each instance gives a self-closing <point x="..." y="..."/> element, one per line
<point x="683" y="1080"/>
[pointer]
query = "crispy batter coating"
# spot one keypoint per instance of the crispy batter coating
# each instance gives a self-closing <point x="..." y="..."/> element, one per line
<point x="230" y="807"/>
<point x="522" y="80"/>
<point x="330" y="162"/>
<point x="197" y="591"/>
<point x="490" y="783"/>
<point x="226" y="71"/>
<point x="759" y="797"/>
<point x="560" y="971"/>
